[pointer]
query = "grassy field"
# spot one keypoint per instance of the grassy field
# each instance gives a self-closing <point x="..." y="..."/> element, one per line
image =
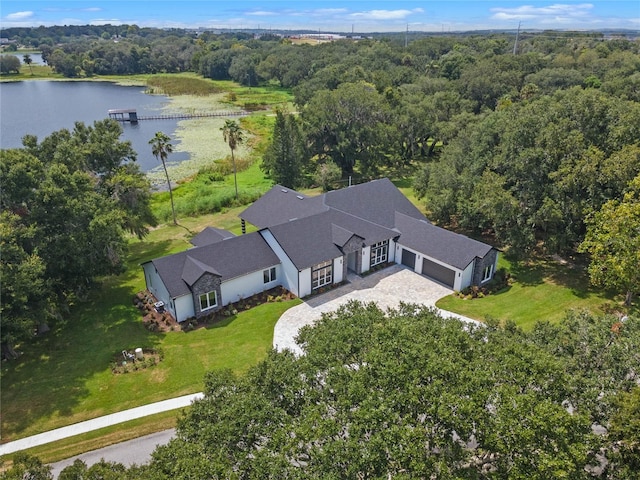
<point x="540" y="290"/>
<point x="65" y="377"/>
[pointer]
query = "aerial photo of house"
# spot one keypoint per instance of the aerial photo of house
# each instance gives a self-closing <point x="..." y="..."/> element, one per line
<point x="305" y="244"/>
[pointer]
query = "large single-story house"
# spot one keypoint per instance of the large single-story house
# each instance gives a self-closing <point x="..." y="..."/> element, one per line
<point x="306" y="243"/>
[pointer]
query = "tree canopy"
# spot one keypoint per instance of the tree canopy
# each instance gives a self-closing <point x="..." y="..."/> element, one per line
<point x="68" y="203"/>
<point x="407" y="394"/>
<point x="613" y="240"/>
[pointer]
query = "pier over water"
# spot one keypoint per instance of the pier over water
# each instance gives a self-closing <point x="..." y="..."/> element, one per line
<point x="131" y="115"/>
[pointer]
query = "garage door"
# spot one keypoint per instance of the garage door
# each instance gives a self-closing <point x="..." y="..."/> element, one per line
<point x="408" y="258"/>
<point x="438" y="272"/>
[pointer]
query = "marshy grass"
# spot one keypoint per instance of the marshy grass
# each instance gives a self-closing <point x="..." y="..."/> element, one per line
<point x="181" y="85"/>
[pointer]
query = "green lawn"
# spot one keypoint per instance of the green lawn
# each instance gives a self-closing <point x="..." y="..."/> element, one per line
<point x="64" y="377"/>
<point x="540" y="290"/>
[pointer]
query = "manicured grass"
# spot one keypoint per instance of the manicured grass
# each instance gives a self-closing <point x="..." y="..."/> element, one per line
<point x="64" y="377"/>
<point x="541" y="290"/>
<point x="78" y="444"/>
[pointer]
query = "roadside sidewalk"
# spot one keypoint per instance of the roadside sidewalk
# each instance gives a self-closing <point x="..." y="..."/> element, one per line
<point x="97" y="423"/>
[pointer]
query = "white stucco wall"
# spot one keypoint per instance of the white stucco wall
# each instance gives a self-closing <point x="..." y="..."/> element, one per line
<point x="247" y="285"/>
<point x="305" y="282"/>
<point x="465" y="279"/>
<point x="392" y="251"/>
<point x="183" y="308"/>
<point x="366" y="258"/>
<point x="155" y="284"/>
<point x="289" y="272"/>
<point x="337" y="270"/>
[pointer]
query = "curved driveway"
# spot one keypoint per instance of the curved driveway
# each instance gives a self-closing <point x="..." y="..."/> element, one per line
<point x="387" y="288"/>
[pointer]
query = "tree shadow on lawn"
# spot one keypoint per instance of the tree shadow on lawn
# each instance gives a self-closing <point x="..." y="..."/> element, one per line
<point x="50" y="378"/>
<point x="536" y="271"/>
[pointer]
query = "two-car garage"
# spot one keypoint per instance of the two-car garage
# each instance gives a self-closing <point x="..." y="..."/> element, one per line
<point x="438" y="272"/>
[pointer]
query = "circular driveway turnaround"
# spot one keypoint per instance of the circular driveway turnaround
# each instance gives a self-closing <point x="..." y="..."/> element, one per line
<point x="387" y="288"/>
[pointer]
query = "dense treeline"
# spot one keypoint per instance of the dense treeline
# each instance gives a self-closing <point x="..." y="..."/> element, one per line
<point x="67" y="202"/>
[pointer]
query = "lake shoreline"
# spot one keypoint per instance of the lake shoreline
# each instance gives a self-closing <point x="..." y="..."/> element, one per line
<point x="199" y="139"/>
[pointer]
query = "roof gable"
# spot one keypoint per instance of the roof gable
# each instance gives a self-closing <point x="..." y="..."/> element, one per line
<point x="340" y="235"/>
<point x="280" y="205"/>
<point x="376" y="201"/>
<point x="210" y="235"/>
<point x="312" y="240"/>
<point x="229" y="259"/>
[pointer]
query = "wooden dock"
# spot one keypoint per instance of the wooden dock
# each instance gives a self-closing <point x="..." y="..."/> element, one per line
<point x="130" y="115"/>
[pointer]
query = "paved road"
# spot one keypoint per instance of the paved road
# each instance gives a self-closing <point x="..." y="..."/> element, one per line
<point x="136" y="451"/>
<point x="97" y="423"/>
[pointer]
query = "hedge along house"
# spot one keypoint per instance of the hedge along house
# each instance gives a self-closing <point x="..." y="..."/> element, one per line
<point x="307" y="243"/>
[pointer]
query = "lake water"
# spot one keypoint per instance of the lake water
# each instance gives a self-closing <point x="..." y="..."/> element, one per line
<point x="43" y="107"/>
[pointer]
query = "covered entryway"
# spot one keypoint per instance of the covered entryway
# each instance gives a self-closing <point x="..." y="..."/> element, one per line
<point x="352" y="262"/>
<point x="438" y="272"/>
<point x="408" y="259"/>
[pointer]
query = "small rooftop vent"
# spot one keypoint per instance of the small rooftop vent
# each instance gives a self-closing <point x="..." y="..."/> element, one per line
<point x="285" y="190"/>
<point x="300" y="197"/>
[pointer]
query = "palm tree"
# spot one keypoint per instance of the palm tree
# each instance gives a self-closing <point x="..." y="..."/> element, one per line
<point x="26" y="58"/>
<point x="161" y="148"/>
<point x="232" y="134"/>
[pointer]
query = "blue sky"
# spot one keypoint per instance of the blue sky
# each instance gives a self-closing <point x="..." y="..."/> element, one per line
<point x="342" y="16"/>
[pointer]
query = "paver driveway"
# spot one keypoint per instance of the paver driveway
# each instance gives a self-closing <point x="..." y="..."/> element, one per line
<point x="387" y="288"/>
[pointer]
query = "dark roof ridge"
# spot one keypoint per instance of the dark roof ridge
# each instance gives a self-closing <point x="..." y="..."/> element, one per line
<point x="194" y="269"/>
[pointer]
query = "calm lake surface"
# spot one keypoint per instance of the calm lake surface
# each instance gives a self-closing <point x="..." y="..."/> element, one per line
<point x="42" y="107"/>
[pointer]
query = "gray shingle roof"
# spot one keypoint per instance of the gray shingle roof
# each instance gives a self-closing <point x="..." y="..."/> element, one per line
<point x="193" y="269"/>
<point x="375" y="201"/>
<point x="229" y="259"/>
<point x="210" y="235"/>
<point x="280" y="205"/>
<point x="448" y="247"/>
<point x="312" y="240"/>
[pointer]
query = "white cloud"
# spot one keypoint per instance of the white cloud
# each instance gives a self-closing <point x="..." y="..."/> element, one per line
<point x="384" y="14"/>
<point x="20" y="15"/>
<point x="91" y="9"/>
<point x="330" y="11"/>
<point x="106" y="21"/>
<point x="555" y="12"/>
<point x="261" y="13"/>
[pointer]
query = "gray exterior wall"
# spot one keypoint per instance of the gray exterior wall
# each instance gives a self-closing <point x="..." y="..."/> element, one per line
<point x="206" y="283"/>
<point x="490" y="258"/>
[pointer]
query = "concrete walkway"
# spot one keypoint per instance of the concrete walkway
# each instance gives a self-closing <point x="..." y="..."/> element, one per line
<point x="387" y="288"/>
<point x="97" y="423"/>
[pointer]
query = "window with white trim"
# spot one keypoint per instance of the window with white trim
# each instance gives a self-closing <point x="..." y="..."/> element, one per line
<point x="269" y="275"/>
<point x="379" y="252"/>
<point x="487" y="272"/>
<point x="208" y="300"/>
<point x="322" y="274"/>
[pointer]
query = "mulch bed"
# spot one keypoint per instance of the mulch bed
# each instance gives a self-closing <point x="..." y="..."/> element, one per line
<point x="164" y="321"/>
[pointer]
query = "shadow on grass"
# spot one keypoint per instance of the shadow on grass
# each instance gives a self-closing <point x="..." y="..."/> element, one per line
<point x="51" y="377"/>
<point x="225" y="322"/>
